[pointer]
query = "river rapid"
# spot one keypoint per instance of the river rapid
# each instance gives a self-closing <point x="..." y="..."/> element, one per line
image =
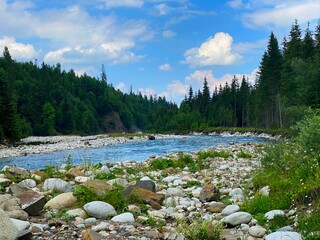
<point x="131" y="150"/>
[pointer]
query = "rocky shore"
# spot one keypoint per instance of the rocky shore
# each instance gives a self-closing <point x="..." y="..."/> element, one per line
<point x="36" y="145"/>
<point x="169" y="198"/>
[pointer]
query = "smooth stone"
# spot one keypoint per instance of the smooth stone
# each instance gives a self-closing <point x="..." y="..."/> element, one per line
<point x="257" y="231"/>
<point x="90" y="221"/>
<point x="196" y="192"/>
<point x="99" y="209"/>
<point x="284" y="236"/>
<point x="216" y="207"/>
<point x="12" y="207"/>
<point x="145" y="184"/>
<point x="89" y="234"/>
<point x="61" y="201"/>
<point x="271" y="214"/>
<point x="170" y="179"/>
<point x="209" y="193"/>
<point x="82" y="179"/>
<point x="100" y="187"/>
<point x="21" y="225"/>
<point x="285" y="229"/>
<point x="104" y="169"/>
<point x="178" y="182"/>
<point x="237" y="218"/>
<point x="235" y="191"/>
<point x="78" y="212"/>
<point x="145" y="178"/>
<point x="176" y="192"/>
<point x="57" y="184"/>
<point x="230" y="209"/>
<point x="118" y="181"/>
<point x="149" y="197"/>
<point x="124" y="217"/>
<point x="8" y="230"/>
<point x="101" y="226"/>
<point x="29" y="183"/>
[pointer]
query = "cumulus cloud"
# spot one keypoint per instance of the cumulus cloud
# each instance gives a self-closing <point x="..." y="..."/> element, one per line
<point x="282" y="15"/>
<point x="72" y="35"/>
<point x="163" y="9"/>
<point x="165" y="67"/>
<point x="121" y="86"/>
<point x="235" y="4"/>
<point x="217" y="50"/>
<point x="18" y="50"/>
<point x="168" y="34"/>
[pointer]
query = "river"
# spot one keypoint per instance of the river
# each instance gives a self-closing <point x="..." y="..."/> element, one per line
<point x="137" y="151"/>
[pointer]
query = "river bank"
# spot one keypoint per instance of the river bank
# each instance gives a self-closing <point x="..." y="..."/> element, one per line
<point x="87" y="202"/>
<point x="49" y="144"/>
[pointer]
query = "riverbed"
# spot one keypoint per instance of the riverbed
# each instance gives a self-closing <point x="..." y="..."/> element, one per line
<point x="56" y="151"/>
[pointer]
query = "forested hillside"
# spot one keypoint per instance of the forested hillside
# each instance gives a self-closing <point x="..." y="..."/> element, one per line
<point x="46" y="100"/>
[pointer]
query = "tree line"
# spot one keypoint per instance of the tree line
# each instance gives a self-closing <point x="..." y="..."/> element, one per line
<point x="46" y="100"/>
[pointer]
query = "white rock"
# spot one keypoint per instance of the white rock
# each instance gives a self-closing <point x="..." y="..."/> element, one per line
<point x="237" y="218"/>
<point x="157" y="214"/>
<point x="82" y="179"/>
<point x="265" y="191"/>
<point x="230" y="209"/>
<point x="78" y="212"/>
<point x="8" y="230"/>
<point x="170" y="179"/>
<point x="99" y="209"/>
<point x="176" y="192"/>
<point x="145" y="178"/>
<point x="29" y="183"/>
<point x="61" y="201"/>
<point x="236" y="191"/>
<point x="284" y="236"/>
<point x="118" y="181"/>
<point x="271" y="214"/>
<point x="101" y="226"/>
<point x="105" y="169"/>
<point x="285" y="229"/>
<point x="178" y="182"/>
<point x="124" y="217"/>
<point x="90" y="221"/>
<point x="257" y="231"/>
<point x="196" y="192"/>
<point x="21" y="225"/>
<point x="57" y="184"/>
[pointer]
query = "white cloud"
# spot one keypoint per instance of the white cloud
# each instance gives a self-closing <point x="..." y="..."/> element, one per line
<point x="282" y="15"/>
<point x="71" y="35"/>
<point x="165" y="67"/>
<point x="217" y="50"/>
<point x="18" y="50"/>
<point x="168" y="34"/>
<point x="121" y="86"/>
<point x="235" y="4"/>
<point x="163" y="9"/>
<point x="147" y="91"/>
<point x="123" y="3"/>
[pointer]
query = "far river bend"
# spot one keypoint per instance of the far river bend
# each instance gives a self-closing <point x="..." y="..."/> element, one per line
<point x="137" y="151"/>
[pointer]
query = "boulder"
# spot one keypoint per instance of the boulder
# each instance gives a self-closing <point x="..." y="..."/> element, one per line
<point x="149" y="197"/>
<point x="78" y="212"/>
<point x="124" y="217"/>
<point x="12" y="206"/>
<point x="118" y="181"/>
<point x="105" y="169"/>
<point x="8" y="231"/>
<point x="100" y="187"/>
<point x="209" y="193"/>
<point x="21" y="225"/>
<point x="16" y="172"/>
<point x="99" y="209"/>
<point x="57" y="184"/>
<point x="28" y="183"/>
<point x="176" y="192"/>
<point x="215" y="207"/>
<point x="235" y="192"/>
<point x="61" y="201"/>
<point x="75" y="172"/>
<point x="284" y="236"/>
<point x="32" y="202"/>
<point x="17" y="189"/>
<point x="237" y="218"/>
<point x="257" y="231"/>
<point x="230" y="209"/>
<point x="144" y="184"/>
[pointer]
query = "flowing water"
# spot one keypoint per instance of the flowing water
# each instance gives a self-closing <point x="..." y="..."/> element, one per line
<point x="137" y="151"/>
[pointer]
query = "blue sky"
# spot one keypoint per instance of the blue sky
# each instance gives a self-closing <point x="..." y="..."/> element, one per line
<point x="158" y="47"/>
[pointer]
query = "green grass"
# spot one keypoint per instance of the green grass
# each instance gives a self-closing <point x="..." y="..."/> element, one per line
<point x="291" y="168"/>
<point x="212" y="154"/>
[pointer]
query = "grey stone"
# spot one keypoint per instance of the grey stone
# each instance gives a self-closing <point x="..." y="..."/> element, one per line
<point x="257" y="231"/>
<point x="57" y="184"/>
<point x="271" y="214"/>
<point x="237" y="218"/>
<point x="32" y="202"/>
<point x="230" y="209"/>
<point x="284" y="236"/>
<point x="8" y="231"/>
<point x="105" y="169"/>
<point x="21" y="225"/>
<point x="12" y="206"/>
<point x="29" y="183"/>
<point x="124" y="217"/>
<point x="99" y="209"/>
<point x="235" y="191"/>
<point x="78" y="212"/>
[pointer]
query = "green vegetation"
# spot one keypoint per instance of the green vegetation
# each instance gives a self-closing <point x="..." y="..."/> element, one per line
<point x="183" y="160"/>
<point x="212" y="154"/>
<point x="291" y="168"/>
<point x="200" y="229"/>
<point x="243" y="154"/>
